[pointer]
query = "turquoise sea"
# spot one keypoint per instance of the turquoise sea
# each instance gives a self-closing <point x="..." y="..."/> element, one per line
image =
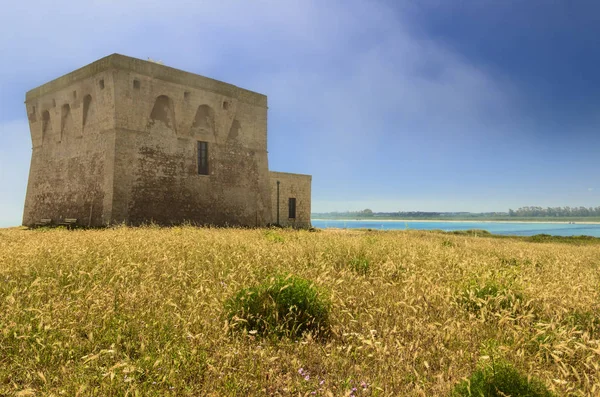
<point x="506" y="228"/>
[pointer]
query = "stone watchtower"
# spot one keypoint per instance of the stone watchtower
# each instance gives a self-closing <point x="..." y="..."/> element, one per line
<point x="126" y="140"/>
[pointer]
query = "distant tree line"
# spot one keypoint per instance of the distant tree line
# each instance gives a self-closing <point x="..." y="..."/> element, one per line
<point x="521" y="212"/>
<point x="368" y="213"/>
<point x="555" y="211"/>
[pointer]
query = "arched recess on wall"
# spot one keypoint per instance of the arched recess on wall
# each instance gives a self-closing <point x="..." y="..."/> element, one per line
<point x="32" y="115"/>
<point x="66" y="120"/>
<point x="88" y="109"/>
<point x="234" y="131"/>
<point x="204" y="120"/>
<point x="46" y="124"/>
<point x="162" y="112"/>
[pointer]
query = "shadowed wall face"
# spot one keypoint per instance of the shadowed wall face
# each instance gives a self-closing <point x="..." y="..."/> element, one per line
<point x="70" y="174"/>
<point x="124" y="140"/>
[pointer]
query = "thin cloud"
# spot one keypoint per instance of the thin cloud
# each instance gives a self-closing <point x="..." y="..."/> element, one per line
<point x="351" y="77"/>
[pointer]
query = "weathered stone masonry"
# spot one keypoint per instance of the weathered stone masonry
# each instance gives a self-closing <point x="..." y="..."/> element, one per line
<point x="126" y="140"/>
<point x="291" y="187"/>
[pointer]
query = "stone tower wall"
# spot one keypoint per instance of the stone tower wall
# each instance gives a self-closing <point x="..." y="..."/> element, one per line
<point x="72" y="134"/>
<point x="117" y="141"/>
<point x="296" y="186"/>
<point x="159" y="121"/>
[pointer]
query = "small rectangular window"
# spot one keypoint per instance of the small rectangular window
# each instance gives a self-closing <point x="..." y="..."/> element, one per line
<point x="202" y="158"/>
<point x="136" y="84"/>
<point x="101" y="82"/>
<point x="292" y="208"/>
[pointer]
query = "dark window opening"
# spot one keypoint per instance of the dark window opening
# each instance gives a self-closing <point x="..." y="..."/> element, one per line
<point x="74" y="94"/>
<point x="101" y="84"/>
<point x="202" y="158"/>
<point x="54" y="103"/>
<point x="225" y="105"/>
<point x="186" y="95"/>
<point x="292" y="208"/>
<point x="136" y="84"/>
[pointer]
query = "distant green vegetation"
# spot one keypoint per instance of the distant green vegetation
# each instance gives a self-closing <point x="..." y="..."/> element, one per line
<point x="546" y="238"/>
<point x="565" y="212"/>
<point x="525" y="214"/>
<point x="538" y="238"/>
<point x="472" y="232"/>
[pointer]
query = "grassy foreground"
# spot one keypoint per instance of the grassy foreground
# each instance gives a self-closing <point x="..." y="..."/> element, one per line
<point x="140" y="311"/>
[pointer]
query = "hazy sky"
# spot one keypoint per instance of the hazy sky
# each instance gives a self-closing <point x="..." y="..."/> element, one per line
<point x="472" y="105"/>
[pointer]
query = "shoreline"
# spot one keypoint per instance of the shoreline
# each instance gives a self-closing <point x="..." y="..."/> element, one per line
<point x="456" y="221"/>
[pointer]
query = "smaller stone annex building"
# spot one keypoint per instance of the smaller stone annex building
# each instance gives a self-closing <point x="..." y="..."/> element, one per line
<point x="123" y="140"/>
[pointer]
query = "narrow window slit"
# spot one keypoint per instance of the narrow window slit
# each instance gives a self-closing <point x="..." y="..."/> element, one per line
<point x="202" y="158"/>
<point x="292" y="208"/>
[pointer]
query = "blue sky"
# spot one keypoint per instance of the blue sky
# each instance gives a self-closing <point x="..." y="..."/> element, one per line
<point x="472" y="105"/>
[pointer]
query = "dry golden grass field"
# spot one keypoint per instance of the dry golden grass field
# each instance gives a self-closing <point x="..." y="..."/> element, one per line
<point x="141" y="312"/>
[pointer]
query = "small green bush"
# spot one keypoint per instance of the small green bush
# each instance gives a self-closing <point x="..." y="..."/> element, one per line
<point x="284" y="305"/>
<point x="272" y="235"/>
<point x="360" y="265"/>
<point x="576" y="240"/>
<point x="472" y="232"/>
<point x="500" y="379"/>
<point x="585" y="321"/>
<point x="491" y="295"/>
<point x="543" y="344"/>
<point x="509" y="261"/>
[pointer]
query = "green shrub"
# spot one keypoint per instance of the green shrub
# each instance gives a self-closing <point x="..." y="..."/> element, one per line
<point x="491" y="295"/>
<point x="500" y="379"/>
<point x="472" y="232"/>
<point x="509" y="261"/>
<point x="281" y="306"/>
<point x="576" y="240"/>
<point x="272" y="235"/>
<point x="585" y="321"/>
<point x="543" y="344"/>
<point x="360" y="265"/>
